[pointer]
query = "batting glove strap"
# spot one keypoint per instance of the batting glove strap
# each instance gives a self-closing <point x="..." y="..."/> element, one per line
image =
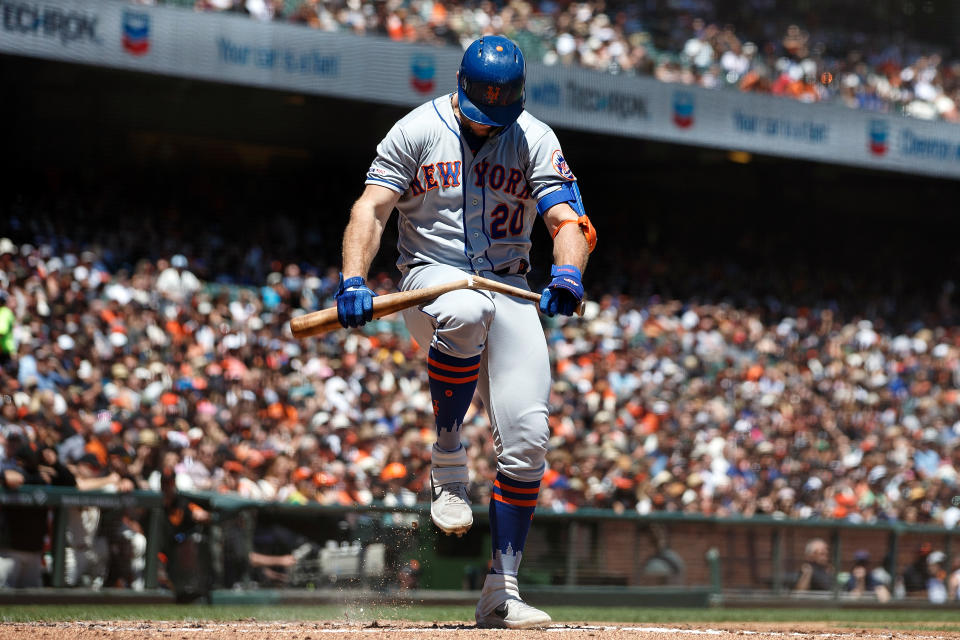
<point x="355" y="281"/>
<point x="567" y="276"/>
<point x="564" y="293"/>
<point x="354" y="302"/>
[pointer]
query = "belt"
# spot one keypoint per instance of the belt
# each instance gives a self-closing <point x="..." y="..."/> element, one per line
<point x="514" y="268"/>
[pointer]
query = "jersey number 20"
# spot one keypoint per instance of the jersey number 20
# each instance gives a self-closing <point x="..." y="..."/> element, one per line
<point x="498" y="224"/>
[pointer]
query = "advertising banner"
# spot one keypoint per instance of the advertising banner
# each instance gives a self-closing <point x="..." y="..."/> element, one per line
<point x="237" y="49"/>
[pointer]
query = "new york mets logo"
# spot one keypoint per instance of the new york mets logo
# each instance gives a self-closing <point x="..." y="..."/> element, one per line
<point x="683" y="109"/>
<point x="136" y="32"/>
<point x="422" y="71"/>
<point x="493" y="94"/>
<point x="877" y="133"/>
<point x="560" y="165"/>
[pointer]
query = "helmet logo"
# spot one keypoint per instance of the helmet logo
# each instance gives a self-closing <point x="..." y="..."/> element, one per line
<point x="491" y="81"/>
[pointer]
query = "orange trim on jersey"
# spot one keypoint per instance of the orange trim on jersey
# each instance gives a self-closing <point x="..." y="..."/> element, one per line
<point x="447" y="367"/>
<point x="436" y="376"/>
<point x="507" y="487"/>
<point x="514" y="501"/>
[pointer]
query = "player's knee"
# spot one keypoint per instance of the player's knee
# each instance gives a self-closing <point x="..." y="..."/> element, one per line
<point x="524" y="460"/>
<point x="525" y="465"/>
<point x="471" y="308"/>
<point x="462" y="327"/>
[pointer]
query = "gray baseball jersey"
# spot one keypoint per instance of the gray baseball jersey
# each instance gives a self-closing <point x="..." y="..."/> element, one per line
<point x="471" y="212"/>
<point x="464" y="212"/>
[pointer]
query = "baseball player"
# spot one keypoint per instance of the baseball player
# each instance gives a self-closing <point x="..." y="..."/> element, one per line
<point x="470" y="172"/>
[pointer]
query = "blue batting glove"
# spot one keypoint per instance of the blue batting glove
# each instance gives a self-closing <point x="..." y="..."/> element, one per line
<point x="354" y="302"/>
<point x="564" y="293"/>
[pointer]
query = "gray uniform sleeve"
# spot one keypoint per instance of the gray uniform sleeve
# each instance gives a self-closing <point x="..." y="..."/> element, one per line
<point x="548" y="167"/>
<point x="396" y="163"/>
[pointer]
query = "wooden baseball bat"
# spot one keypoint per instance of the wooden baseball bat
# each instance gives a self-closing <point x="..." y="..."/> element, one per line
<point x="317" y="322"/>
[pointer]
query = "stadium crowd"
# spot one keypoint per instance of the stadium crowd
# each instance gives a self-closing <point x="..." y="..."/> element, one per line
<point x="132" y="375"/>
<point x="761" y="46"/>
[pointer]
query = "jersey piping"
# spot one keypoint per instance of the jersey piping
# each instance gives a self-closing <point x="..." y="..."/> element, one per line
<point x="463" y="192"/>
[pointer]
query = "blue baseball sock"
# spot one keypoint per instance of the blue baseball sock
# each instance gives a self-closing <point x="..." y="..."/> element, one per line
<point x="452" y="383"/>
<point x="511" y="510"/>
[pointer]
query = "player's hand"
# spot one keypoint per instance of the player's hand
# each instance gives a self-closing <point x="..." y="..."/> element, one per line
<point x="354" y="302"/>
<point x="564" y="293"/>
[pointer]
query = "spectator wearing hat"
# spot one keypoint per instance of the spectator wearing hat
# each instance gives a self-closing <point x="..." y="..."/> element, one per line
<point x="815" y="572"/>
<point x="865" y="580"/>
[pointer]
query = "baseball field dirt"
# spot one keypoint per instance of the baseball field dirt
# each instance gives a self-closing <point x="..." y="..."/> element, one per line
<point x="402" y="630"/>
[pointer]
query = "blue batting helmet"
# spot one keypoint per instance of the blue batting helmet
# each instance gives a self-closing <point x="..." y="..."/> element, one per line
<point x="490" y="83"/>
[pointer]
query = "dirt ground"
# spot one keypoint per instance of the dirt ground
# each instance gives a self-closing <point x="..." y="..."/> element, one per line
<point x="248" y="630"/>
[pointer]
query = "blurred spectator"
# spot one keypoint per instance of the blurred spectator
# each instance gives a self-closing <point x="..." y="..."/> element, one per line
<point x="176" y="282"/>
<point x="8" y="346"/>
<point x="815" y="572"/>
<point x="953" y="581"/>
<point x="187" y="560"/>
<point x="937" y="579"/>
<point x="916" y="577"/>
<point x="87" y="559"/>
<point x="865" y="579"/>
<point x="121" y="528"/>
<point x="24" y="529"/>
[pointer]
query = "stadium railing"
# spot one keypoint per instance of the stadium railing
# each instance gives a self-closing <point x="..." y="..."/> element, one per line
<point x="381" y="547"/>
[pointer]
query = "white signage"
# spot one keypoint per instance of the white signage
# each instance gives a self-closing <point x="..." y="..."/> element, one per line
<point x="237" y="49"/>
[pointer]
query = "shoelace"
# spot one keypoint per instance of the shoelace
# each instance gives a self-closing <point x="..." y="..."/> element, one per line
<point x="454" y="489"/>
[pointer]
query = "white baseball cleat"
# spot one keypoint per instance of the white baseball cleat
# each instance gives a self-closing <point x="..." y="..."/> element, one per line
<point x="450" y="504"/>
<point x="501" y="606"/>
